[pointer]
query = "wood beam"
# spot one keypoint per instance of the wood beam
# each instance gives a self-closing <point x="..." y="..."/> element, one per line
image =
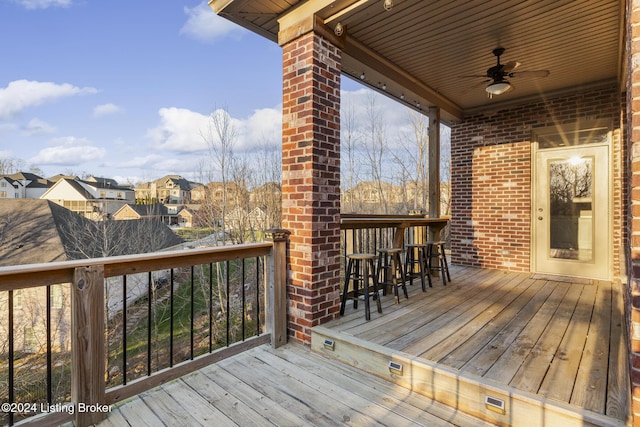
<point x="299" y="20"/>
<point x="372" y="60"/>
<point x="434" y="166"/>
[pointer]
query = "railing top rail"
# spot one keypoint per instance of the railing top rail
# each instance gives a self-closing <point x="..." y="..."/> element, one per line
<point x="30" y="275"/>
<point x="377" y="222"/>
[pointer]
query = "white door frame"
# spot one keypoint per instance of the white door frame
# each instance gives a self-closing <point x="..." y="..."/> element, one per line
<point x="541" y="261"/>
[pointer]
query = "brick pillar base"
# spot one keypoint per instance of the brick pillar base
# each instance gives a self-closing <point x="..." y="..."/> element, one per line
<point x="311" y="181"/>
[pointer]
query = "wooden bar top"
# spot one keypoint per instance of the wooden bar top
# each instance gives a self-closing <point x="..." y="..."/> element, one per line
<point x="351" y="222"/>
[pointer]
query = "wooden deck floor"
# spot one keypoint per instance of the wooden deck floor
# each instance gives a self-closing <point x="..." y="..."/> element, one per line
<point x="560" y="340"/>
<point x="289" y="386"/>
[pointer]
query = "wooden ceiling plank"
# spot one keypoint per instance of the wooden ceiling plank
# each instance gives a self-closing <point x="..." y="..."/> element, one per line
<point x="361" y="53"/>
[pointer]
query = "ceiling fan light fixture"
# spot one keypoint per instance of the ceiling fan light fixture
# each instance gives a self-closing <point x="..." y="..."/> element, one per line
<point x="498" y="88"/>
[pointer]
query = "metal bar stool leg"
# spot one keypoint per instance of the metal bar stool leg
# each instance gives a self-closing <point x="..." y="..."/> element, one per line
<point x="445" y="265"/>
<point x="345" y="290"/>
<point x="376" y="295"/>
<point x="398" y="275"/>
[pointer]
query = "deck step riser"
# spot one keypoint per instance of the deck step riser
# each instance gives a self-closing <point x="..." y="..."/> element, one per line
<point x="465" y="392"/>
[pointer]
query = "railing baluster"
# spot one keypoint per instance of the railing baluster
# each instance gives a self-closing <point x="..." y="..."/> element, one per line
<point x="124" y="329"/>
<point x="149" y="318"/>
<point x="242" y="282"/>
<point x="11" y="357"/>
<point x="257" y="310"/>
<point x="192" y="311"/>
<point x="210" y="307"/>
<point x="228" y="274"/>
<point x="171" y="323"/>
<point x="48" y="345"/>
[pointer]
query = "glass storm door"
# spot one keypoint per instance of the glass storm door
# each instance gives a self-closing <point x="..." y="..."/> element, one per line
<point x="571" y="212"/>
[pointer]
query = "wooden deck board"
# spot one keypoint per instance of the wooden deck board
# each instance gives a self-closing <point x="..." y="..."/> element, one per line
<point x="535" y="366"/>
<point x="475" y="343"/>
<point x="461" y="320"/>
<point x="617" y="396"/>
<point x="562" y="371"/>
<point x="510" y="361"/>
<point x="591" y="382"/>
<point x="542" y="335"/>
<point x="483" y="360"/>
<point x="288" y="386"/>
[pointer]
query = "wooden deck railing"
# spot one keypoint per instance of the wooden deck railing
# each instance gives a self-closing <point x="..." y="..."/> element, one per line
<point x="88" y="399"/>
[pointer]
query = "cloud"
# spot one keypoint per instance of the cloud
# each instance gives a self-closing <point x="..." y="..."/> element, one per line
<point x="263" y="126"/>
<point x="204" y="25"/>
<point x="68" y="151"/>
<point x="38" y="127"/>
<point x="185" y="131"/>
<point x="105" y="109"/>
<point x="43" y="4"/>
<point x="22" y="94"/>
<point x="180" y="130"/>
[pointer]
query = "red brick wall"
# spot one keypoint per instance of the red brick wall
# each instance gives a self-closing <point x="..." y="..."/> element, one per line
<point x="491" y="176"/>
<point x="633" y="225"/>
<point x="311" y="181"/>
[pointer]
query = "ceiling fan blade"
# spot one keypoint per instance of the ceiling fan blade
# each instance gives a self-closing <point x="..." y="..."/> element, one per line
<point x="482" y="83"/>
<point x="474" y="76"/>
<point x="510" y="66"/>
<point x="536" y="73"/>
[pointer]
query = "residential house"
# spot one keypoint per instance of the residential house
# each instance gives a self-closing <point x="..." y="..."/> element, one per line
<point x="10" y="188"/>
<point x="170" y="189"/>
<point x="155" y="211"/>
<point x="94" y="198"/>
<point x="26" y="186"/>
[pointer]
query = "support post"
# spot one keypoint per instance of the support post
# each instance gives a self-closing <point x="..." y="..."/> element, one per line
<point x="276" y="274"/>
<point x="434" y="169"/>
<point x="87" y="346"/>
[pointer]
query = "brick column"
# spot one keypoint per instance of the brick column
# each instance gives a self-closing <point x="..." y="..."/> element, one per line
<point x="311" y="181"/>
<point x="633" y="138"/>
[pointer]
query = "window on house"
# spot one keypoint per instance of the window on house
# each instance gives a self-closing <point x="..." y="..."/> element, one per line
<point x="3" y="184"/>
<point x="57" y="298"/>
<point x="571" y="135"/>
<point x="3" y="194"/>
<point x="30" y="341"/>
<point x="17" y="299"/>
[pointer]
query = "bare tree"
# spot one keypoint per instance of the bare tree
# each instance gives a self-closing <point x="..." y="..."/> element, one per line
<point x="265" y="182"/>
<point x="349" y="141"/>
<point x="221" y="137"/>
<point x="9" y="165"/>
<point x="374" y="143"/>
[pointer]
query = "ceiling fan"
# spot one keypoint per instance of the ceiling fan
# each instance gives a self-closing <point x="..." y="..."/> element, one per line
<point x="498" y="74"/>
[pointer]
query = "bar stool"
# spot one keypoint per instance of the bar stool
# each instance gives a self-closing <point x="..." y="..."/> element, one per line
<point x="415" y="263"/>
<point x="390" y="272"/>
<point x="436" y="252"/>
<point x="361" y="270"/>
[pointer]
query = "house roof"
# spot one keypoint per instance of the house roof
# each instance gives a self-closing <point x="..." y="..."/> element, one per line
<point x="425" y="49"/>
<point x="155" y="209"/>
<point x="37" y="231"/>
<point x="102" y="182"/>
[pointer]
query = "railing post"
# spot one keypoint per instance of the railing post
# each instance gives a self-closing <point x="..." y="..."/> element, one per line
<point x="276" y="275"/>
<point x="87" y="346"/>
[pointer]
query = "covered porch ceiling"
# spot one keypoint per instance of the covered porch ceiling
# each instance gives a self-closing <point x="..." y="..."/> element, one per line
<point x="422" y="52"/>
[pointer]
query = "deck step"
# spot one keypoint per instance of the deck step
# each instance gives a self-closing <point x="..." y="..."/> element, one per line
<point x="480" y="397"/>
